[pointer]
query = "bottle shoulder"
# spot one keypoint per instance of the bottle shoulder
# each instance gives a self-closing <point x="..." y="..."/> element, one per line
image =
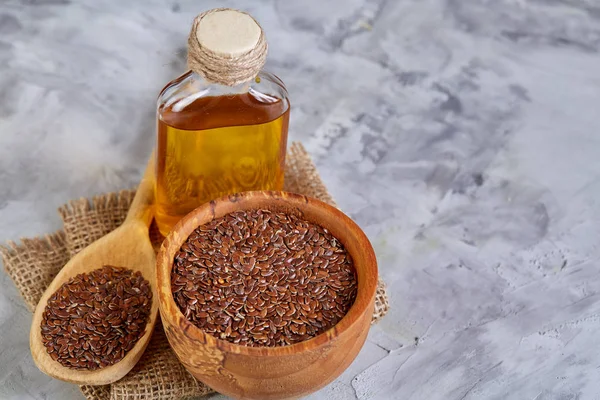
<point x="192" y="90"/>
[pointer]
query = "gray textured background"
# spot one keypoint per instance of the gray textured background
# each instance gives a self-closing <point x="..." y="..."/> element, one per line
<point x="462" y="135"/>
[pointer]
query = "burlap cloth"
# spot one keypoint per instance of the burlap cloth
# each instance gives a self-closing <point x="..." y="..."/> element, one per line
<point x="158" y="375"/>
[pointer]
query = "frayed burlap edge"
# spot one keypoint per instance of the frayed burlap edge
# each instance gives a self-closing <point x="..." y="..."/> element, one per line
<point x="301" y="175"/>
<point x="86" y="220"/>
<point x="96" y="392"/>
<point x="34" y="262"/>
<point x="381" y="302"/>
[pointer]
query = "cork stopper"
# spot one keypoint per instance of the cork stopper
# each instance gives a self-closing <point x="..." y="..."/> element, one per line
<point x="226" y="46"/>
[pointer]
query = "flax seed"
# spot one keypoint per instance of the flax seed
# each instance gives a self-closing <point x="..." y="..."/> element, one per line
<point x="109" y="302"/>
<point x="264" y="278"/>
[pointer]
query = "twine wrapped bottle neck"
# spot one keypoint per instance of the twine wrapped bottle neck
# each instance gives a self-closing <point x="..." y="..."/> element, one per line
<point x="221" y="65"/>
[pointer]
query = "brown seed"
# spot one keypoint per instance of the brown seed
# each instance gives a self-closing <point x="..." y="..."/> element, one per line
<point x="91" y="307"/>
<point x="262" y="278"/>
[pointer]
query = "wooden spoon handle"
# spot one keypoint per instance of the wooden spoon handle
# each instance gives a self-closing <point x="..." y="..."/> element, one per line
<point x="141" y="206"/>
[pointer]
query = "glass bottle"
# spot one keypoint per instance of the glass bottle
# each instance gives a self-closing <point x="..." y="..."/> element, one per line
<point x="216" y="139"/>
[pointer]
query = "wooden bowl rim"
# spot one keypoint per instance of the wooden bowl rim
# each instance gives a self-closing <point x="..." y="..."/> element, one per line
<point x="352" y="317"/>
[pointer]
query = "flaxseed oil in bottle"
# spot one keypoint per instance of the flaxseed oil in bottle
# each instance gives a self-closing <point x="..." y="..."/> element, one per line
<point x="222" y="126"/>
<point x="218" y="145"/>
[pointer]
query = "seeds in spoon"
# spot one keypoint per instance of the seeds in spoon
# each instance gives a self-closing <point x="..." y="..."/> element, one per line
<point x="94" y="319"/>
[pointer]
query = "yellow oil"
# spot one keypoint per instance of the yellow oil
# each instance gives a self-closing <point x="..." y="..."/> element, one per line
<point x="214" y="147"/>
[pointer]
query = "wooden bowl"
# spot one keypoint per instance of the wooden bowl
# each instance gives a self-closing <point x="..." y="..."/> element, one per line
<point x="270" y="372"/>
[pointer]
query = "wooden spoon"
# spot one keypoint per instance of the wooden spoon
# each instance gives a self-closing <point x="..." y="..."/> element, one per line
<point x="128" y="246"/>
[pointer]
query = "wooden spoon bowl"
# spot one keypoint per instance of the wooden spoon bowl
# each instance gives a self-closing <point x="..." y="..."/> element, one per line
<point x="128" y="246"/>
<point x="270" y="372"/>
